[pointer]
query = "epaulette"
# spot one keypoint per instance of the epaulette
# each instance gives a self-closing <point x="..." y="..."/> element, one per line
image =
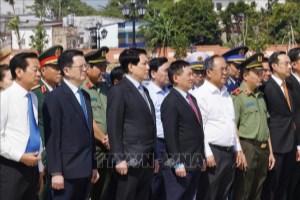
<point x="44" y="89"/>
<point x="236" y="91"/>
<point x="88" y="84"/>
<point x="35" y="87"/>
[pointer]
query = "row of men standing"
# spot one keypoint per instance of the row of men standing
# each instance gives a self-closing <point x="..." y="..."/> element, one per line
<point x="134" y="122"/>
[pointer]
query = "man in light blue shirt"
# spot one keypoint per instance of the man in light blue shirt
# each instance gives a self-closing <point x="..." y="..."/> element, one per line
<point x="158" y="90"/>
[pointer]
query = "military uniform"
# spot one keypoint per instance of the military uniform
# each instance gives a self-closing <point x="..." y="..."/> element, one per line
<point x="48" y="57"/>
<point x="98" y="93"/>
<point x="251" y="119"/>
<point x="235" y="56"/>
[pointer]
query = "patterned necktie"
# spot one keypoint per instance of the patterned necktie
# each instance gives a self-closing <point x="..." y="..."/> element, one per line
<point x="83" y="105"/>
<point x="33" y="144"/>
<point x="141" y="90"/>
<point x="286" y="94"/>
<point x="192" y="104"/>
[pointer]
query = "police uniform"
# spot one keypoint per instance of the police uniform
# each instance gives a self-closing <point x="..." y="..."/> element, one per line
<point x="251" y="119"/>
<point x="196" y="61"/>
<point x="235" y="56"/>
<point x="98" y="93"/>
<point x="48" y="57"/>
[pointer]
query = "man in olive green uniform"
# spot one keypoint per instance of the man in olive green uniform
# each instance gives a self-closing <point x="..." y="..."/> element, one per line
<point x="51" y="77"/>
<point x="98" y="91"/>
<point x="251" y="120"/>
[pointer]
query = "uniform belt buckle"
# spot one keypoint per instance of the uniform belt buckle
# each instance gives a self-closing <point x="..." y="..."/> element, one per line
<point x="263" y="145"/>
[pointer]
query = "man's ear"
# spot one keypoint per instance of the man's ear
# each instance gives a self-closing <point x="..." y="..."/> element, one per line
<point x="66" y="71"/>
<point x="153" y="73"/>
<point x="19" y="72"/>
<point x="130" y="66"/>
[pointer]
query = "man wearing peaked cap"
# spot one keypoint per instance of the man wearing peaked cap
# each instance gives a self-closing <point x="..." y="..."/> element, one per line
<point x="251" y="121"/>
<point x="294" y="80"/>
<point x="196" y="61"/>
<point x="233" y="58"/>
<point x="98" y="92"/>
<point x="51" y="77"/>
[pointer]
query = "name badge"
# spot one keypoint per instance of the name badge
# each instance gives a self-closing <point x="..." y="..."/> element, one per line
<point x="93" y="98"/>
<point x="249" y="104"/>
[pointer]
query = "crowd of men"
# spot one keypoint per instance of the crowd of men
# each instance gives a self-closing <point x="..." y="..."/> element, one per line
<point x="209" y="127"/>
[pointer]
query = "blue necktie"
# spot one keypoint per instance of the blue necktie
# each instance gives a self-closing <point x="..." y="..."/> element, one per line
<point x="83" y="106"/>
<point x="33" y="144"/>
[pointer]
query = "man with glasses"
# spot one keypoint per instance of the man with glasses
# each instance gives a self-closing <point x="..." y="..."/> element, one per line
<point x="98" y="93"/>
<point x="266" y="71"/>
<point x="251" y="120"/>
<point x="222" y="147"/>
<point x="68" y="128"/>
<point x="280" y="105"/>
<point x="294" y="80"/>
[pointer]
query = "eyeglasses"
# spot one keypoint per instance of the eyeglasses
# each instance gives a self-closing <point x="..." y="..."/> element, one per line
<point x="82" y="67"/>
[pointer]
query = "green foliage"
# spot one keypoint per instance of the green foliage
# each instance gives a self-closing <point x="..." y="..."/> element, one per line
<point x="40" y="39"/>
<point x="13" y="25"/>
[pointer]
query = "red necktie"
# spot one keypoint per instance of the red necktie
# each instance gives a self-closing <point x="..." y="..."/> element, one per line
<point x="192" y="104"/>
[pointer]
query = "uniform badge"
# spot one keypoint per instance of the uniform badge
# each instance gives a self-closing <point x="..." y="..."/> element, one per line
<point x="242" y="52"/>
<point x="237" y="91"/>
<point x="250" y="104"/>
<point x="88" y="84"/>
<point x="200" y="59"/>
<point x="44" y="89"/>
<point x="57" y="52"/>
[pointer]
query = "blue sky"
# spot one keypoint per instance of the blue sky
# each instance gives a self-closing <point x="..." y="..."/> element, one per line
<point x="96" y="3"/>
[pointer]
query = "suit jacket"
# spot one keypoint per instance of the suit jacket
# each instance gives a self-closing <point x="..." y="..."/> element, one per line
<point x="69" y="138"/>
<point x="296" y="99"/>
<point x="130" y="124"/>
<point x="183" y="132"/>
<point x="281" y="123"/>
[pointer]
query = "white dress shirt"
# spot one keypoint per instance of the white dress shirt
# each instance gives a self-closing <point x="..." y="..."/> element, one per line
<point x="74" y="90"/>
<point x="14" y="129"/>
<point x="279" y="82"/>
<point x="218" y="117"/>
<point x="157" y="96"/>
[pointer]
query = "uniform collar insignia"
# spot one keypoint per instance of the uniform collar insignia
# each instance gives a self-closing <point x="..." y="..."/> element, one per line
<point x="89" y="85"/>
<point x="44" y="89"/>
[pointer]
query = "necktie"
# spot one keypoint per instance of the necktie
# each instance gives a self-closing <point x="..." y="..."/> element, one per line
<point x="83" y="105"/>
<point x="286" y="94"/>
<point x="192" y="104"/>
<point x="33" y="144"/>
<point x="141" y="90"/>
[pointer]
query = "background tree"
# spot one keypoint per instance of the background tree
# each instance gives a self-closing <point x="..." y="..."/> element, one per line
<point x="13" y="25"/>
<point x="40" y="39"/>
<point x="12" y="3"/>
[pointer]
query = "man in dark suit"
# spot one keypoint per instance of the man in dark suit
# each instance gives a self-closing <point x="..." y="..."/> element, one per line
<point x="294" y="81"/>
<point x="183" y="133"/>
<point x="68" y="130"/>
<point x="279" y="101"/>
<point x="131" y="128"/>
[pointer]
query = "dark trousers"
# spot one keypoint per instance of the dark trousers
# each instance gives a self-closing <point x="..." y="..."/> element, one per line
<point x="158" y="185"/>
<point x="178" y="188"/>
<point x="136" y="185"/>
<point x="248" y="184"/>
<point x="294" y="185"/>
<point x="220" y="177"/>
<point x="17" y="181"/>
<point x="276" y="185"/>
<point x="75" y="189"/>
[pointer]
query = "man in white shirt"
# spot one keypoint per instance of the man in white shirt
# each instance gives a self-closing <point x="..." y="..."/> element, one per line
<point x="20" y="142"/>
<point x="222" y="147"/>
<point x="158" y="90"/>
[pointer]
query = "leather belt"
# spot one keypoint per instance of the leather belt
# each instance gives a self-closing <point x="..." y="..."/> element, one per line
<point x="262" y="145"/>
<point x="223" y="148"/>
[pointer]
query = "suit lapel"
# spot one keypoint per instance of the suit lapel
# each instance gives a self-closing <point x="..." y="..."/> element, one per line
<point x="73" y="101"/>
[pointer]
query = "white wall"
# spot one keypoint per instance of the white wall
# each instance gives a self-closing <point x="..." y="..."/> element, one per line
<point x="20" y="7"/>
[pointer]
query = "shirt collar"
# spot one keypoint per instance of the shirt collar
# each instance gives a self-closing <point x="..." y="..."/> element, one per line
<point x="22" y="91"/>
<point x="244" y="87"/>
<point x="71" y="86"/>
<point x="214" y="89"/>
<point x="232" y="80"/>
<point x="277" y="80"/>
<point x="296" y="76"/>
<point x="133" y="81"/>
<point x="183" y="93"/>
<point x="157" y="89"/>
<point x="48" y="86"/>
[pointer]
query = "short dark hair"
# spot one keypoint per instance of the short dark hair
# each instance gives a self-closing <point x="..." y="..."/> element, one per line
<point x="66" y="59"/>
<point x="3" y="68"/>
<point x="155" y="63"/>
<point x="209" y="62"/>
<point x="274" y="57"/>
<point x="20" y="61"/>
<point x="176" y="67"/>
<point x="132" y="56"/>
<point x="116" y="74"/>
<point x="294" y="54"/>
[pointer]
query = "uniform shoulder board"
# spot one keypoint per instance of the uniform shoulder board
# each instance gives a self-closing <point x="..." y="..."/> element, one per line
<point x="35" y="87"/>
<point x="237" y="91"/>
